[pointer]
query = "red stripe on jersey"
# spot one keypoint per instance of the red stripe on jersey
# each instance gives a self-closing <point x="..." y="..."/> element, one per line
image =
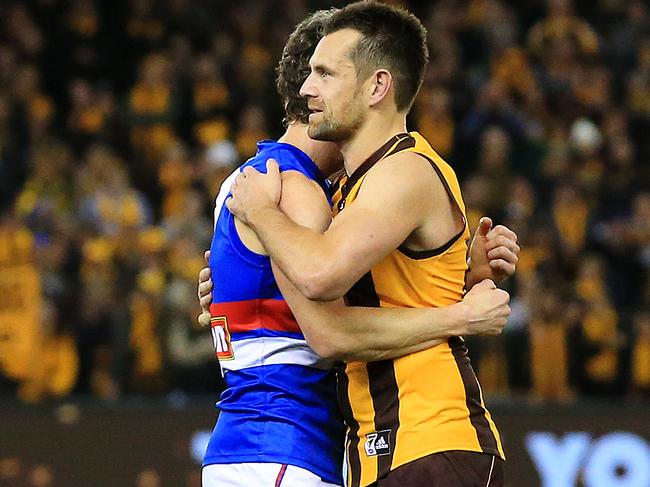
<point x="270" y="314"/>
<point x="278" y="479"/>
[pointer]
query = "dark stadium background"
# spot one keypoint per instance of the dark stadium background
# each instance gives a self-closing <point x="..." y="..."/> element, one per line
<point x="118" y="120"/>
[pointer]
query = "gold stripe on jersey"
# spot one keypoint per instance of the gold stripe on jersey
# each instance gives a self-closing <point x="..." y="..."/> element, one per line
<point x="404" y="409"/>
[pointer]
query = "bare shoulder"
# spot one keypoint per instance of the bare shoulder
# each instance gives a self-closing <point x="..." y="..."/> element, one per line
<point x="304" y="201"/>
<point x="406" y="175"/>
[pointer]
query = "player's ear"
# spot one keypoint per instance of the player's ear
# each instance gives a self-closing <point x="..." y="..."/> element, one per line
<point x="381" y="82"/>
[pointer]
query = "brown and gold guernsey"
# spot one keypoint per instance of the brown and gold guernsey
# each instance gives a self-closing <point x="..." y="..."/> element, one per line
<point x="400" y="410"/>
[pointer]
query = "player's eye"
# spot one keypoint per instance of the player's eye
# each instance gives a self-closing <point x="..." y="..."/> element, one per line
<point x="323" y="73"/>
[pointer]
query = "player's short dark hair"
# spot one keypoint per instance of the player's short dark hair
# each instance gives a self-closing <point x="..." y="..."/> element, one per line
<point x="293" y="69"/>
<point x="393" y="39"/>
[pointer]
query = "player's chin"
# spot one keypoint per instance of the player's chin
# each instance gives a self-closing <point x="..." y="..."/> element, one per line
<point x="323" y="132"/>
<point x="316" y="132"/>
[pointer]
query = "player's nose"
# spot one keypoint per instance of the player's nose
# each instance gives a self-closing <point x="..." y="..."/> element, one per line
<point x="308" y="89"/>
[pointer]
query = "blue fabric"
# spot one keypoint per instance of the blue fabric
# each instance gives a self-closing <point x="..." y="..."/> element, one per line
<point x="262" y="420"/>
<point x="273" y="413"/>
<point x="241" y="274"/>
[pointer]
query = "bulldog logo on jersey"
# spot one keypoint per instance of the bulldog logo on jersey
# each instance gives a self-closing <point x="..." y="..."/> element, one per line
<point x="378" y="443"/>
<point x="221" y="338"/>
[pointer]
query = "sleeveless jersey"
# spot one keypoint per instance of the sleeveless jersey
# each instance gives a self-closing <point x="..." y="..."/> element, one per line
<point x="400" y="410"/>
<point x="279" y="404"/>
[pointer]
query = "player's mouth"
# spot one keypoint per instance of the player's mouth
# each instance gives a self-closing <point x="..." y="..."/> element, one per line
<point x="314" y="112"/>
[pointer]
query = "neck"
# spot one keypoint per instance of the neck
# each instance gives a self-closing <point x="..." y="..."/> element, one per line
<point x="375" y="131"/>
<point x="296" y="135"/>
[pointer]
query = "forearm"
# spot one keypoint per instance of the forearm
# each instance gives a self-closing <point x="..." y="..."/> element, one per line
<point x="368" y="334"/>
<point x="298" y="251"/>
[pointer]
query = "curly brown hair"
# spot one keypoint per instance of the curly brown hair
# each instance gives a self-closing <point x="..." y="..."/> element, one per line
<point x="293" y="69"/>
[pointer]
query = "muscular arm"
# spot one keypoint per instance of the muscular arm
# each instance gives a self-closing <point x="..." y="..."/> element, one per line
<point x="396" y="197"/>
<point x="337" y="331"/>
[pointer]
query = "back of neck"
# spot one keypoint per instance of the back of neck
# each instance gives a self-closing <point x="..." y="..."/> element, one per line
<point x="296" y="135"/>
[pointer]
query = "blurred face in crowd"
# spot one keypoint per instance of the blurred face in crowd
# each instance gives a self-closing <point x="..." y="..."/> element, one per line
<point x="333" y="90"/>
<point x="560" y="7"/>
<point x="495" y="147"/>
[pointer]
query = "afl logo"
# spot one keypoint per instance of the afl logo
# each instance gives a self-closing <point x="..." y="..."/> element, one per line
<point x="221" y="338"/>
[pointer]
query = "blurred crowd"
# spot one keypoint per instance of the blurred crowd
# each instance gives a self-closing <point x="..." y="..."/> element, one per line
<point x="119" y="120"/>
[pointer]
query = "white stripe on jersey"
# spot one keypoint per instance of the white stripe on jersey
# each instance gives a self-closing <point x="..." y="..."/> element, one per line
<point x="259" y="475"/>
<point x="254" y="352"/>
<point x="223" y="193"/>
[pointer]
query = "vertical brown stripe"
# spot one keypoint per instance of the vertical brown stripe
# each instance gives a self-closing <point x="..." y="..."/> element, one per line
<point x="363" y="293"/>
<point x="477" y="417"/>
<point x="385" y="399"/>
<point x="382" y="381"/>
<point x="352" y="440"/>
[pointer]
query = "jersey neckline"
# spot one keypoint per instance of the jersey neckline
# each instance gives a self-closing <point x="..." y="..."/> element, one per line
<point x="305" y="161"/>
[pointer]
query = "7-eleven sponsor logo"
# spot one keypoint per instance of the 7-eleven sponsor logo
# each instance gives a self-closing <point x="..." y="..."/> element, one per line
<point x="378" y="443"/>
<point x="221" y="338"/>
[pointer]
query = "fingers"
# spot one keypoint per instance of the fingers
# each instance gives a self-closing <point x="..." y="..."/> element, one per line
<point x="501" y="241"/>
<point x="497" y="329"/>
<point x="503" y="253"/>
<point x="484" y="226"/>
<point x="205" y="288"/>
<point x="205" y="274"/>
<point x="206" y="256"/>
<point x="504" y="296"/>
<point x="502" y="230"/>
<point x="502" y="267"/>
<point x="272" y="167"/>
<point x="489" y="309"/>
<point x="205" y="301"/>
<point x="503" y="313"/>
<point x="247" y="171"/>
<point x="486" y="283"/>
<point x="204" y="319"/>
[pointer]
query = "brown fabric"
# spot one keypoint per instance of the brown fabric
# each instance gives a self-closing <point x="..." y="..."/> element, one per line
<point x="352" y="440"/>
<point x="447" y="469"/>
<point x="477" y="414"/>
<point x="385" y="400"/>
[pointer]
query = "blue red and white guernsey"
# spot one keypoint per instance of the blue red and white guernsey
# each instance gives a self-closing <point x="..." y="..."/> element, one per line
<point x="279" y="405"/>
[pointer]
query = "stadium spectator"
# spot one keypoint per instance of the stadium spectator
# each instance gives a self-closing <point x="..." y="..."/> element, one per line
<point x="118" y="124"/>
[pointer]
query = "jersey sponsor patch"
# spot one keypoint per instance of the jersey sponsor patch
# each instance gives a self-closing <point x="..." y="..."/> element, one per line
<point x="378" y="443"/>
<point x="221" y="338"/>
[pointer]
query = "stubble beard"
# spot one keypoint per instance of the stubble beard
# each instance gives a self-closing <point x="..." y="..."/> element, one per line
<point x="330" y="130"/>
<point x="326" y="131"/>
